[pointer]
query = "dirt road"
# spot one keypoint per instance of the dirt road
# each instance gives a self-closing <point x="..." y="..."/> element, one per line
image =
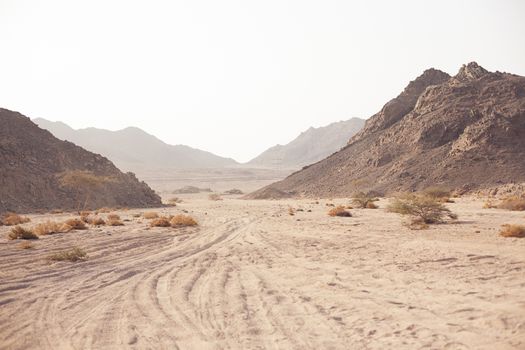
<point x="253" y="277"/>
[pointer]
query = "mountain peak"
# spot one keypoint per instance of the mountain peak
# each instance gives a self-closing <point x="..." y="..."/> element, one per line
<point x="470" y="71"/>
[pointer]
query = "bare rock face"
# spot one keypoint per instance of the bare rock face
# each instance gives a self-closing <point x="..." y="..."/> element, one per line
<point x="465" y="132"/>
<point x="34" y="165"/>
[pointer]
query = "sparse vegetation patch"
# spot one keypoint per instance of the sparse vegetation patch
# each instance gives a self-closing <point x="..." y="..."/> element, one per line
<point x="19" y="232"/>
<point x="74" y="254"/>
<point x="11" y="219"/>
<point x="364" y="200"/>
<point x="420" y="208"/>
<point x="516" y="231"/>
<point x="51" y="227"/>
<point x="182" y="221"/>
<point x="339" y="211"/>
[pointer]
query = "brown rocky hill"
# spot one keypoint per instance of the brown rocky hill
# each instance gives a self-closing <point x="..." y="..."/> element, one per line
<point x="39" y="171"/>
<point x="464" y="132"/>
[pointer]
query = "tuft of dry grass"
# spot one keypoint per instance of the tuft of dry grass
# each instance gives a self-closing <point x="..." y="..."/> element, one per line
<point x="114" y="221"/>
<point x="11" y="219"/>
<point x="162" y="221"/>
<point x="215" y="197"/>
<point x="97" y="221"/>
<point x="516" y="231"/>
<point x="76" y="224"/>
<point x="51" y="227"/>
<point x="339" y="211"/>
<point x="439" y="193"/>
<point x="364" y="200"/>
<point x="150" y="215"/>
<point x="26" y="245"/>
<point x="512" y="203"/>
<point x="19" y="232"/>
<point x="181" y="220"/>
<point x="73" y="255"/>
<point x="420" y="207"/>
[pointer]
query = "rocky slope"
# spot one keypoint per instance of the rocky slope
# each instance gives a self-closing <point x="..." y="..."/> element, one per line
<point x="309" y="147"/>
<point x="465" y="132"/>
<point x="132" y="149"/>
<point x="39" y="171"/>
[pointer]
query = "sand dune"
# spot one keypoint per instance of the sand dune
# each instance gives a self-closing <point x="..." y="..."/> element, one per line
<point x="253" y="277"/>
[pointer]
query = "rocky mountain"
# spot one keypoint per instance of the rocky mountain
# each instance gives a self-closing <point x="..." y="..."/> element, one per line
<point x="465" y="132"/>
<point x="39" y="171"/>
<point x="309" y="147"/>
<point x="132" y="149"/>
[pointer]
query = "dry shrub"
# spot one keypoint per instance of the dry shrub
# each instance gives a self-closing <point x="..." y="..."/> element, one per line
<point x="114" y="221"/>
<point x="516" y="231"/>
<point x="97" y="221"/>
<point x="104" y="210"/>
<point x="182" y="220"/>
<point x="419" y="207"/>
<point x="11" y="219"/>
<point x="84" y="182"/>
<point x="113" y="217"/>
<point x="50" y="227"/>
<point x="73" y="255"/>
<point x="76" y="224"/>
<point x="162" y="221"/>
<point x="339" y="211"/>
<point x="26" y="245"/>
<point x="291" y="211"/>
<point x="84" y="213"/>
<point x="441" y="194"/>
<point x="364" y="200"/>
<point x="215" y="197"/>
<point x="19" y="232"/>
<point x="150" y="215"/>
<point x="512" y="203"/>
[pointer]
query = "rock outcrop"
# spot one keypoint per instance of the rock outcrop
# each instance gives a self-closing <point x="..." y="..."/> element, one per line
<point x="464" y="132"/>
<point x="39" y="171"/>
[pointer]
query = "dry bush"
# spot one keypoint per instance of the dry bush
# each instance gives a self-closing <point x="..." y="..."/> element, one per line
<point x="516" y="231"/>
<point x="104" y="210"/>
<point x="11" y="219"/>
<point x="114" y="221"/>
<point x="84" y="213"/>
<point x="291" y="211"/>
<point x="441" y="194"/>
<point x="113" y="217"/>
<point x="339" y="211"/>
<point x="73" y="255"/>
<point x="162" y="221"/>
<point x="18" y="232"/>
<point x="50" y="227"/>
<point x="233" y="191"/>
<point x="97" y="221"/>
<point x="420" y="207"/>
<point x="26" y="245"/>
<point x="182" y="220"/>
<point x="150" y="215"/>
<point x="215" y="197"/>
<point x="84" y="182"/>
<point x="76" y="224"/>
<point x="364" y="200"/>
<point x="512" y="203"/>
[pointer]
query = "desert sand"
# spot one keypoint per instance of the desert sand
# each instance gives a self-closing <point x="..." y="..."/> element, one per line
<point x="253" y="277"/>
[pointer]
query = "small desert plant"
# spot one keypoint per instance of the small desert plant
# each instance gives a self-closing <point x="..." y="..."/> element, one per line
<point x="26" y="245"/>
<point x="162" y="221"/>
<point x="114" y="220"/>
<point x="419" y="207"/>
<point x="214" y="197"/>
<point x="364" y="200"/>
<point x="50" y="227"/>
<point x="339" y="211"/>
<point x="84" y="182"/>
<point x="18" y="232"/>
<point x="150" y="215"/>
<point x="517" y="231"/>
<point x="76" y="224"/>
<point x="73" y="255"/>
<point x="512" y="203"/>
<point x="11" y="219"/>
<point x="438" y="193"/>
<point x="104" y="210"/>
<point x="182" y="220"/>
<point x="291" y="211"/>
<point x="97" y="221"/>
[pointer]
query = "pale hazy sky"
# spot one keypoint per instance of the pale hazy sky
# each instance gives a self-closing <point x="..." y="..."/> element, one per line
<point x="236" y="77"/>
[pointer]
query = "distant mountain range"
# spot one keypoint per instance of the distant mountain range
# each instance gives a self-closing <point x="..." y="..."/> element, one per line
<point x="310" y="146"/>
<point x="132" y="149"/>
<point x="464" y="132"/>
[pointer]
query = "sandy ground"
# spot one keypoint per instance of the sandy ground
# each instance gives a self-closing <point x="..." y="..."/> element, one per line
<point x="253" y="277"/>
